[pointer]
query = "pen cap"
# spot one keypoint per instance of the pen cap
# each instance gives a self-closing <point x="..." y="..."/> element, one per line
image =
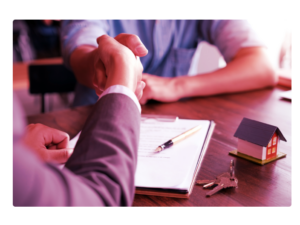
<point x="186" y="134"/>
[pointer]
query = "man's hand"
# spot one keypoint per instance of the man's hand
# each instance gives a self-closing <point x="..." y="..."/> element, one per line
<point x="48" y="143"/>
<point x="108" y="50"/>
<point x="90" y="72"/>
<point x="159" y="88"/>
<point x="250" y="69"/>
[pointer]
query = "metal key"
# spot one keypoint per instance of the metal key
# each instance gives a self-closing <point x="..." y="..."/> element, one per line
<point x="207" y="183"/>
<point x="225" y="182"/>
<point x="210" y="183"/>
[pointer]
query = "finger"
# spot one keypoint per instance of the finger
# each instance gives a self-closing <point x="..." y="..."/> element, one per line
<point x="139" y="89"/>
<point x="60" y="156"/>
<point x="99" y="78"/>
<point x="133" y="42"/>
<point x="107" y="47"/>
<point x="142" y="85"/>
<point x="99" y="85"/>
<point x="51" y="146"/>
<point x="140" y="68"/>
<point x="95" y="81"/>
<point x="145" y="97"/>
<point x="145" y="77"/>
<point x="143" y="100"/>
<point x="98" y="92"/>
<point x="95" y="84"/>
<point x="102" y="37"/>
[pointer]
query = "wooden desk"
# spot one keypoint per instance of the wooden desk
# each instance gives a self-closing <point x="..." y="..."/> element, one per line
<point x="20" y="71"/>
<point x="268" y="185"/>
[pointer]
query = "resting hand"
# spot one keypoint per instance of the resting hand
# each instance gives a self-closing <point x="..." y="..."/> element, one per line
<point x="159" y="88"/>
<point x="48" y="143"/>
<point x="109" y="49"/>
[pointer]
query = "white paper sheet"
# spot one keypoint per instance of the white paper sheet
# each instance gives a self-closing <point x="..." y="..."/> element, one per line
<point x="174" y="167"/>
<point x="73" y="141"/>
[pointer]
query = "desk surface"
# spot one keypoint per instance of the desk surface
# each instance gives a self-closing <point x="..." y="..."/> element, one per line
<point x="20" y="71"/>
<point x="268" y="185"/>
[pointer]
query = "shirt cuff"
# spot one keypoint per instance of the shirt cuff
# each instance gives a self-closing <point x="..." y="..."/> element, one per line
<point x="77" y="33"/>
<point x="122" y="90"/>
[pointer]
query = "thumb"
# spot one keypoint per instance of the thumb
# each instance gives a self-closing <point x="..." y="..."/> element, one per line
<point x="133" y="42"/>
<point x="59" y="156"/>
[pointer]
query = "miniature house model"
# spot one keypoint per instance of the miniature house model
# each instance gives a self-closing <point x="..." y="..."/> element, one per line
<point x="258" y="140"/>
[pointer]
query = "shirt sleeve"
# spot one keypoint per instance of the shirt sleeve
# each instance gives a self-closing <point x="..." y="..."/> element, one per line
<point x="75" y="33"/>
<point x="122" y="90"/>
<point x="229" y="36"/>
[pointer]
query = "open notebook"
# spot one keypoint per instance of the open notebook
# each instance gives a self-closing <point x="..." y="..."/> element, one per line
<point x="171" y="172"/>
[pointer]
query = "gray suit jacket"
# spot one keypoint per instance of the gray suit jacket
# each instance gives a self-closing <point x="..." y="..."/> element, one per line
<point x="100" y="171"/>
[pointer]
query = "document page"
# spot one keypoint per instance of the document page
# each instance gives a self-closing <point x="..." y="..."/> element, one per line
<point x="173" y="167"/>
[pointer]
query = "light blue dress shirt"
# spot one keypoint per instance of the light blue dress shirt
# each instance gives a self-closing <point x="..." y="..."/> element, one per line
<point x="171" y="43"/>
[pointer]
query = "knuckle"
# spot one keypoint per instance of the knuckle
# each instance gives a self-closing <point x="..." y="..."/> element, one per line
<point x="133" y="38"/>
<point x="66" y="135"/>
<point x="35" y="127"/>
<point x="121" y="35"/>
<point x="31" y="126"/>
<point x="65" y="155"/>
<point x="122" y="38"/>
<point x="101" y="38"/>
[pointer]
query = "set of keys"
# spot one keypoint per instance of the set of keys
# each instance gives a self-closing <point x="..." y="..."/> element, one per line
<point x="225" y="180"/>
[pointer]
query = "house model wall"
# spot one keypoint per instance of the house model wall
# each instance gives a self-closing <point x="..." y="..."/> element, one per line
<point x="258" y="140"/>
<point x="257" y="151"/>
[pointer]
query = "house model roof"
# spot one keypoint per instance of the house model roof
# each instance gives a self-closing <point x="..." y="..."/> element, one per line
<point x="257" y="132"/>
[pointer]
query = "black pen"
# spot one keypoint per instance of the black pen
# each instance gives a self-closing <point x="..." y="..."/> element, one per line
<point x="178" y="138"/>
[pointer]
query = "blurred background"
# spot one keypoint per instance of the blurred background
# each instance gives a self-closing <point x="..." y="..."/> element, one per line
<point x="36" y="44"/>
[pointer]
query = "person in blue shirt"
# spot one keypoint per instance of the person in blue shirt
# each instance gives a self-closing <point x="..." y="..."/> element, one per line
<point x="171" y="45"/>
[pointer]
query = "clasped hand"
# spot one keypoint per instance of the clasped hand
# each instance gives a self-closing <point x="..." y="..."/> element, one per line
<point x="116" y="61"/>
<point x="115" y="57"/>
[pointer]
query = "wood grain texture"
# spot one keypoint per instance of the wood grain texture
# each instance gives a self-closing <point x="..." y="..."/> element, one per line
<point x="20" y="71"/>
<point x="268" y="185"/>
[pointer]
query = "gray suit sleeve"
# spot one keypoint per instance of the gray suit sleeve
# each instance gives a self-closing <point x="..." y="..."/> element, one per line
<point x="101" y="169"/>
